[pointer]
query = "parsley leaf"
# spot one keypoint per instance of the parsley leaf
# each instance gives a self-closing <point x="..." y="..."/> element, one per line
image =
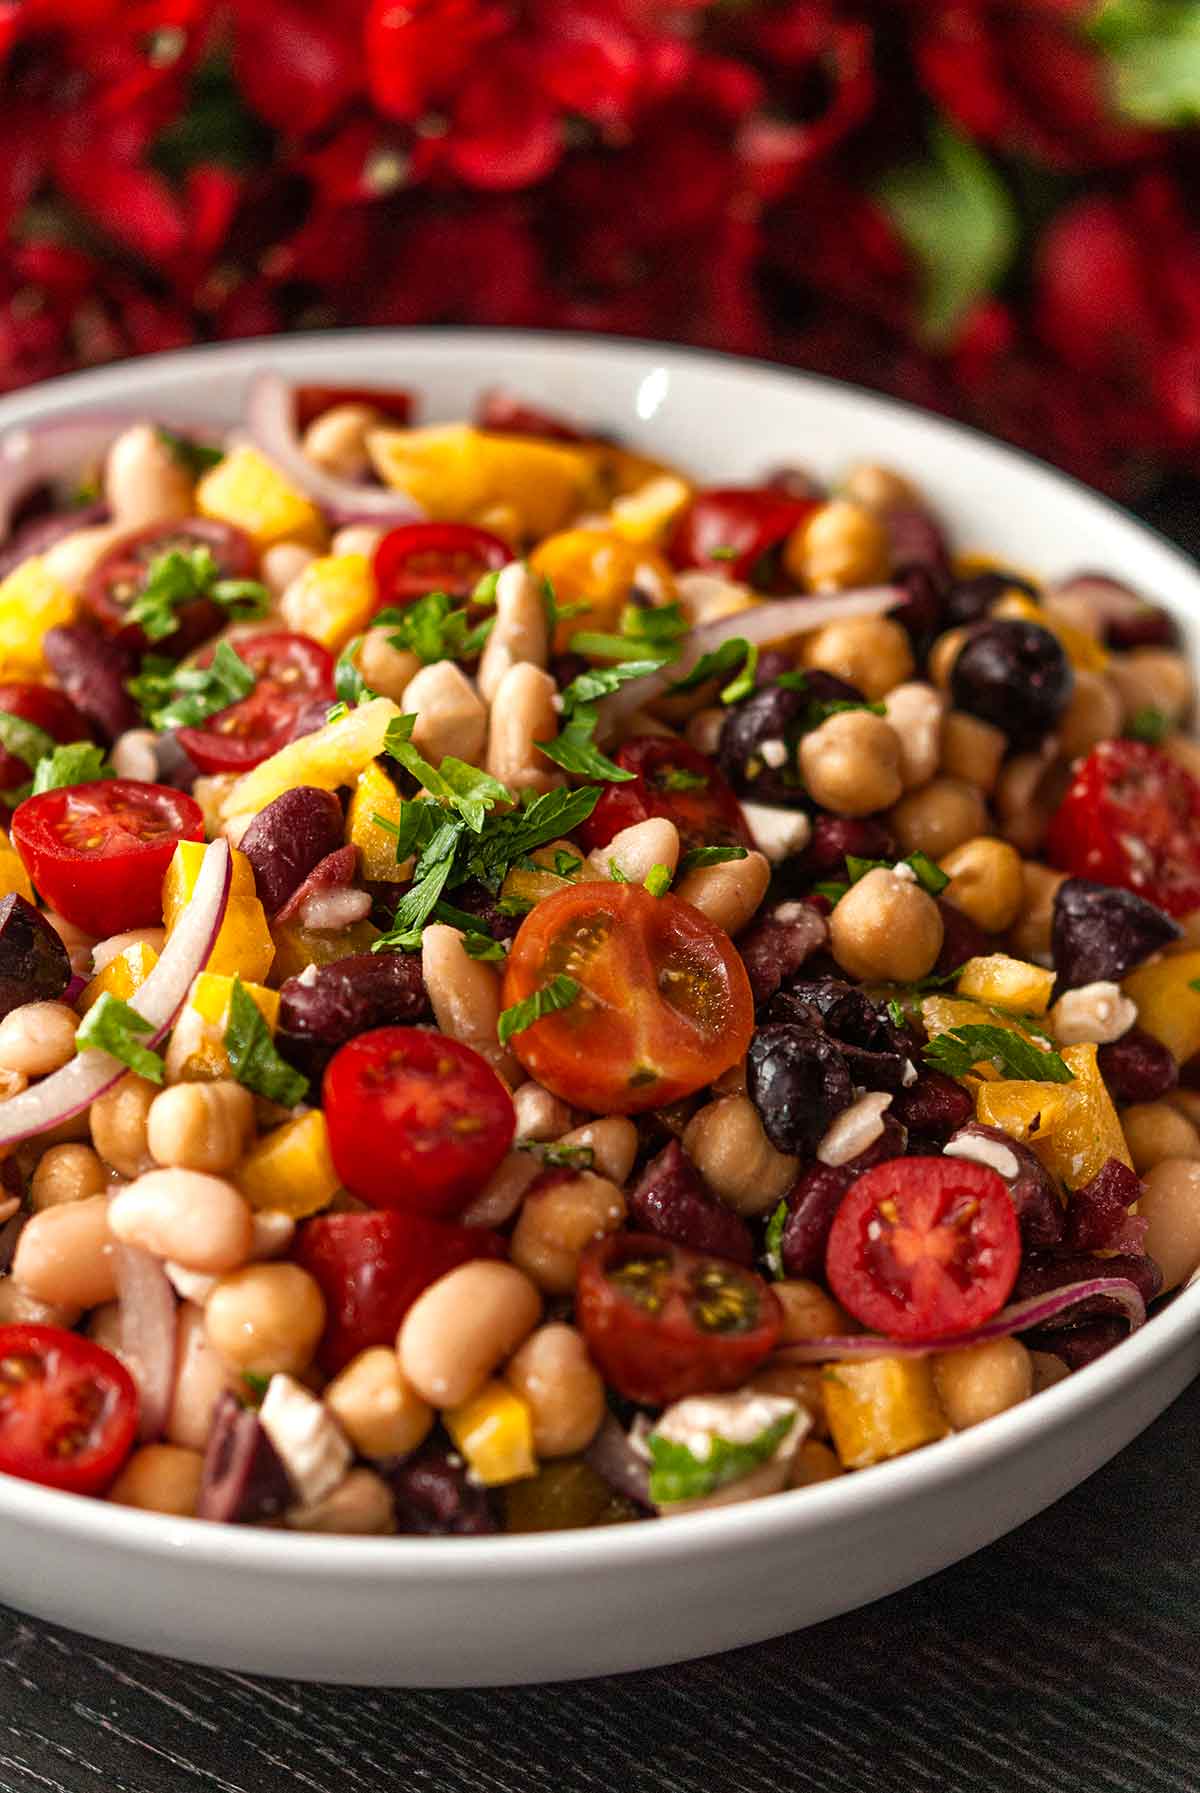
<point x="658" y="880"/>
<point x="461" y="787"/>
<point x="24" y="740"/>
<point x="573" y="747"/>
<point x="709" y="856"/>
<point x="615" y="874"/>
<point x="545" y="818"/>
<point x="199" y="691"/>
<point x="78" y="762"/>
<point x="556" y="1156"/>
<point x="677" y="1473"/>
<point x="896" y="1013"/>
<point x="180" y="577"/>
<point x="959" y="1050"/>
<point x="432" y="629"/>
<point x="729" y="657"/>
<point x="112" y="1026"/>
<point x="559" y="993"/>
<point x="646" y="631"/>
<point x="1148" y="724"/>
<point x="930" y="877"/>
<point x="195" y="458"/>
<point x="678" y="778"/>
<point x="430" y="876"/>
<point x="252" y="1055"/>
<point x="774" y="1240"/>
<point x="348" y="681"/>
<point x="482" y="946"/>
<point x="743" y="684"/>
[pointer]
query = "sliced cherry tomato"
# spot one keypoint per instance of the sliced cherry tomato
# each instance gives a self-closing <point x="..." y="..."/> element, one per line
<point x="416" y="1120"/>
<point x="664" y="1003"/>
<point x="663" y="1322"/>
<point x="68" y="1409"/>
<point x="293" y="673"/>
<point x="310" y="401"/>
<point x="372" y="1267"/>
<point x="924" y="1247"/>
<point x="98" y="852"/>
<point x="508" y="415"/>
<point x="47" y="708"/>
<point x="1131" y="817"/>
<point x="422" y="557"/>
<point x="120" y="576"/>
<point x="729" y="529"/>
<point x="672" y="780"/>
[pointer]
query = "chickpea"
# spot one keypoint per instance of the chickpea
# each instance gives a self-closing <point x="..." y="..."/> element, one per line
<point x="503" y="1192"/>
<point x="886" y="929"/>
<point x="1187" y="1101"/>
<point x="120" y="1124"/>
<point x="362" y="1505"/>
<point x="940" y="817"/>
<point x="380" y="1413"/>
<point x="808" y="1312"/>
<point x="1026" y="792"/>
<point x="1047" y="1370"/>
<point x="266" y="1318"/>
<point x="801" y="1382"/>
<point x="634" y="850"/>
<point x="1093" y="714"/>
<point x="729" y="1148"/>
<point x="728" y="893"/>
<point x="64" y="1255"/>
<point x="450" y="716"/>
<point x="1030" y="934"/>
<point x="144" y="480"/>
<point x="105" y="951"/>
<point x="985" y="882"/>
<point x="851" y="763"/>
<point x="200" y="1379"/>
<point x="613" y="1142"/>
<point x="1170" y="1203"/>
<point x="943" y="654"/>
<point x="387" y="669"/>
<point x="562" y="1388"/>
<point x="37" y="1038"/>
<point x="560" y="1215"/>
<point x="1184" y="751"/>
<point x="18" y="1307"/>
<point x="1153" y="678"/>
<point x="69" y="1173"/>
<point x="463" y="1326"/>
<point x="193" y="1219"/>
<point x="872" y="653"/>
<point x="972" y="750"/>
<point x="336" y="441"/>
<point x="1155" y="1131"/>
<point x="879" y="488"/>
<point x="160" y="1478"/>
<point x="813" y="1462"/>
<point x="915" y="710"/>
<point x="201" y="1126"/>
<point x="977" y="1381"/>
<point x="840" y="544"/>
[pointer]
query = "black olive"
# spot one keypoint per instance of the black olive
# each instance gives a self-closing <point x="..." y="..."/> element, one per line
<point x="774" y="713"/>
<point x="1100" y="932"/>
<point x="1014" y="675"/>
<point x="969" y="600"/>
<point x="242" y="1480"/>
<point x="34" y="966"/>
<point x="798" y="1080"/>
<point x="436" y="1498"/>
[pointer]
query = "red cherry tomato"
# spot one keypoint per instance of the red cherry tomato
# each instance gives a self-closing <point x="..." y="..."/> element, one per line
<point x="672" y="780"/>
<point x="664" y="1003"/>
<point x="310" y="401"/>
<point x="372" y="1267"/>
<point x="416" y="1120"/>
<point x="120" y="576"/>
<point x="293" y="673"/>
<point x="98" y="852"/>
<point x="662" y="1322"/>
<point x="729" y="529"/>
<point x="68" y="1409"/>
<point x="47" y="708"/>
<point x="922" y="1247"/>
<point x="1131" y="817"/>
<point x="422" y="557"/>
<point x="508" y="415"/>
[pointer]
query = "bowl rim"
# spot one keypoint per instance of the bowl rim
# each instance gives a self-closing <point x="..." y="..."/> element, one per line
<point x="959" y="1456"/>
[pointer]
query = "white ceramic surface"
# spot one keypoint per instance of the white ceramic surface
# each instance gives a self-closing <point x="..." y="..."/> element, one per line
<point x="476" y="1611"/>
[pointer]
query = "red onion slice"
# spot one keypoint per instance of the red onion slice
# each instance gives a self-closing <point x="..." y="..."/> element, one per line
<point x="270" y="415"/>
<point x="68" y="1092"/>
<point x="33" y="453"/>
<point x="147" y="1334"/>
<point x="1023" y="1316"/>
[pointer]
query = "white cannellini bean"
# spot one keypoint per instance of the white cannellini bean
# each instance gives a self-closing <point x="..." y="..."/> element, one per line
<point x="540" y="1115"/>
<point x="504" y="1190"/>
<point x="144" y="480"/>
<point x="464" y="994"/>
<point x="105" y="951"/>
<point x="135" y="755"/>
<point x="635" y="850"/>
<point x="856" y="1128"/>
<point x="75" y="556"/>
<point x="523" y="714"/>
<point x="336" y="441"/>
<point x="519" y="632"/>
<point x="1094" y="1014"/>
<point x="357" y="538"/>
<point x="282" y="563"/>
<point x="450" y="716"/>
<point x="197" y="1220"/>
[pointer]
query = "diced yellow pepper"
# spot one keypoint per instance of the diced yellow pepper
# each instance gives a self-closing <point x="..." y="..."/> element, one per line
<point x="1168" y="1007"/>
<point x="1081" y="649"/>
<point x="647" y="515"/>
<point x="942" y="1014"/>
<point x="1022" y="1108"/>
<point x="494" y="1432"/>
<point x="212" y="992"/>
<point x="455" y="471"/>
<point x="122" y="975"/>
<point x="197" y="1049"/>
<point x="331" y="600"/>
<point x="296" y="948"/>
<point x="1088" y="1132"/>
<point x="247" y="490"/>
<point x="289" y="1169"/>
<point x="880" y="1408"/>
<point x="32" y="601"/>
<point x="619" y="471"/>
<point x="598" y="568"/>
<point x="1006" y="983"/>
<point x="374" y="795"/>
<point x="329" y="757"/>
<point x="244" y="944"/>
<point x="13" y="876"/>
<point x="558" y="865"/>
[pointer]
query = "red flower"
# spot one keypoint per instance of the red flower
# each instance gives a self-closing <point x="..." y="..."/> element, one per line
<point x="296" y="66"/>
<point x="418" y="52"/>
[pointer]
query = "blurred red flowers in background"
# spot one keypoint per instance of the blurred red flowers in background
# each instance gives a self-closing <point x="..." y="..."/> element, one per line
<point x="983" y="205"/>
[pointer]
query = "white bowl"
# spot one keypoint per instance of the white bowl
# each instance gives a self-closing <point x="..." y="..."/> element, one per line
<point x="471" y="1611"/>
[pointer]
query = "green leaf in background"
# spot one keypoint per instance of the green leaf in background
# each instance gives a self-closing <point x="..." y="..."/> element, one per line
<point x="1153" y="48"/>
<point x="957" y="219"/>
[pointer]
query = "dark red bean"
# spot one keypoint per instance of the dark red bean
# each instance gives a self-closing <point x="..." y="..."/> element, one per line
<point x="1137" y="1067"/>
<point x="962" y="939"/>
<point x="1099" y="932"/>
<point x="435" y="1497"/>
<point x="41" y="532"/>
<point x="319" y="1011"/>
<point x="1098" y="1217"/>
<point x="812" y="1204"/>
<point x="34" y="966"/>
<point x="969" y="600"/>
<point x="1079" y="1345"/>
<point x="1035" y="1198"/>
<point x="93" y="669"/>
<point x="242" y="1480"/>
<point x="288" y="838"/>
<point x="672" y="1199"/>
<point x="935" y="1106"/>
<point x="334" y="872"/>
<point x="917" y="540"/>
<point x="778" y="944"/>
<point x="833" y="837"/>
<point x="1043" y="1271"/>
<point x="891" y="1143"/>
<point x="922" y="611"/>
<point x="774" y="713"/>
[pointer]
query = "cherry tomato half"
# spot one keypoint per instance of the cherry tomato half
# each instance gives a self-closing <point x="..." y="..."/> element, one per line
<point x="672" y="780"/>
<point x="310" y="401"/>
<point x="1131" y="817"/>
<point x="120" y="575"/>
<point x="98" y="852"/>
<point x="924" y="1247"/>
<point x="293" y="673"/>
<point x="68" y="1409"/>
<point x="416" y="1120"/>
<point x="662" y="1322"/>
<point x="729" y="529"/>
<point x="422" y="557"/>
<point x="372" y="1267"/>
<point x="664" y="1004"/>
<point x="47" y="708"/>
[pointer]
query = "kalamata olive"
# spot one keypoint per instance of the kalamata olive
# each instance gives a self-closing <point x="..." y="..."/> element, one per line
<point x="834" y="837"/>
<point x="775" y="714"/>
<point x="243" y="1480"/>
<point x="916" y="540"/>
<point x="1098" y="932"/>
<point x="672" y="1199"/>
<point x="435" y="1497"/>
<point x="798" y="1080"/>
<point x="34" y="966"/>
<point x="1098" y="1217"/>
<point x="962" y="939"/>
<point x="1039" y="1211"/>
<point x="327" y="1005"/>
<point x="1042" y="1271"/>
<point x="970" y="599"/>
<point x="875" y="1051"/>
<point x="1016" y="676"/>
<point x="288" y="838"/>
<point x="933" y="1107"/>
<point x="812" y="1203"/>
<point x="771" y="663"/>
<point x="922" y="610"/>
<point x="778" y="944"/>
<point x="1137" y="1067"/>
<point x="93" y="669"/>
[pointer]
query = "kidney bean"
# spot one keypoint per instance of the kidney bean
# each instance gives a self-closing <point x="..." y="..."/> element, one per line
<point x="1042" y="1271"/>
<point x="962" y="939"/>
<point x="92" y="669"/>
<point x="1034" y="1197"/>
<point x="1098" y="933"/>
<point x="1137" y="1067"/>
<point x="1078" y="1345"/>
<point x="320" y="1011"/>
<point x="334" y="872"/>
<point x="934" y="1107"/>
<point x="1098" y="1217"/>
<point x="435" y="1498"/>
<point x="778" y="944"/>
<point x="672" y="1199"/>
<point x="35" y="532"/>
<point x="833" y="837"/>
<point x="917" y="540"/>
<point x="798" y="1080"/>
<point x="288" y="838"/>
<point x="34" y="966"/>
<point x="243" y="1480"/>
<point x="812" y="1204"/>
<point x="923" y="607"/>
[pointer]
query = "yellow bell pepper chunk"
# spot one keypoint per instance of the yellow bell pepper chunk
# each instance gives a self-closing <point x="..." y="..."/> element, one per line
<point x="331" y="756"/>
<point x="597" y="568"/>
<point x="121" y="976"/>
<point x="618" y="471"/>
<point x="296" y="948"/>
<point x="244" y="944"/>
<point x="1081" y="649"/>
<point x="494" y="1432"/>
<point x="880" y="1408"/>
<point x="13" y="876"/>
<point x="541" y="875"/>
<point x="374" y="795"/>
<point x="1006" y="983"/>
<point x="32" y="601"/>
<point x="1168" y="1007"/>
<point x="197" y="1049"/>
<point x="942" y="1014"/>
<point x="648" y="514"/>
<point x="1088" y="1132"/>
<point x="247" y="490"/>
<point x="289" y="1169"/>
<point x="332" y="599"/>
<point x="455" y="471"/>
<point x="1022" y="1108"/>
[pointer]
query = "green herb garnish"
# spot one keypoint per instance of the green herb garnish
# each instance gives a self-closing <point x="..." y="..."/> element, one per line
<point x="433" y="629"/>
<point x="182" y="696"/>
<point x="559" y="993"/>
<point x="482" y="946"/>
<point x="1148" y="725"/>
<point x="677" y="1473"/>
<point x="959" y="1050"/>
<point x="112" y="1026"/>
<point x="253" y="1059"/>
<point x="556" y="1156"/>
<point x="78" y="762"/>
<point x="658" y="880"/>
<point x="774" y="1240"/>
<point x="709" y="856"/>
<point x="180" y="577"/>
<point x="573" y="748"/>
<point x="196" y="458"/>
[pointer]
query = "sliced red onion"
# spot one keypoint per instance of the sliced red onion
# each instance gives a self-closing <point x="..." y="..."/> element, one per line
<point x="33" y="453"/>
<point x="147" y="1334"/>
<point x="73" y="1089"/>
<point x="270" y="415"/>
<point x="1022" y="1316"/>
<point x="615" y="1461"/>
<point x="75" y="989"/>
<point x="772" y="621"/>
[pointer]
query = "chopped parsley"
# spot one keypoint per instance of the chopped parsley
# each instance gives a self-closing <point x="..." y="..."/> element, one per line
<point x="658" y="880"/>
<point x="558" y="994"/>
<point x="181" y="696"/>
<point x="252" y="1055"/>
<point x="959" y="1050"/>
<point x="482" y="946"/>
<point x="78" y="762"/>
<point x="433" y="629"/>
<point x="180" y="577"/>
<point x="352" y="689"/>
<point x="730" y="657"/>
<point x="820" y="709"/>
<point x="556" y="1156"/>
<point x="897" y="1013"/>
<point x="774" y="1240"/>
<point x="1149" y="725"/>
<point x="460" y="787"/>
<point x="112" y="1026"/>
<point x="196" y="458"/>
<point x="573" y="748"/>
<point x="709" y="856"/>
<point x="26" y="742"/>
<point x="678" y="1473"/>
<point x="647" y="632"/>
<point x="743" y="684"/>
